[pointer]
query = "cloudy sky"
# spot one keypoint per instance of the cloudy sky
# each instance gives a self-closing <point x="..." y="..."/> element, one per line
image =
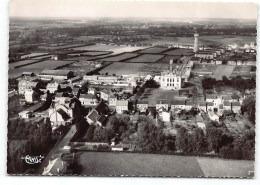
<point x="89" y="8"/>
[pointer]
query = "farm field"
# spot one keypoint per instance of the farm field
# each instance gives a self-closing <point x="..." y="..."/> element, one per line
<point x="203" y="40"/>
<point x="62" y="46"/>
<point x="153" y="50"/>
<point x="22" y="62"/>
<point x="223" y="70"/>
<point x="120" y="57"/>
<point x="179" y="52"/>
<point x="167" y="59"/>
<point x="82" y="67"/>
<point x="114" y="48"/>
<point x="42" y="57"/>
<point x="214" y="167"/>
<point x="116" y="164"/>
<point x="120" y="68"/>
<point x="152" y="95"/>
<point x="32" y="55"/>
<point x="242" y="71"/>
<point x="90" y="53"/>
<point x="104" y="163"/>
<point x="146" y="58"/>
<point x="14" y="73"/>
<point x="48" y="64"/>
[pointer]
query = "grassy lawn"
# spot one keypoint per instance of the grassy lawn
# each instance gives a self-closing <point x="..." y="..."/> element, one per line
<point x="122" y="68"/>
<point x="179" y="52"/>
<point x="225" y="168"/>
<point x="133" y="164"/>
<point x="146" y="58"/>
<point x="120" y="57"/>
<point x="153" y="50"/>
<point x="223" y="70"/>
<point x="137" y="164"/>
<point x="152" y="95"/>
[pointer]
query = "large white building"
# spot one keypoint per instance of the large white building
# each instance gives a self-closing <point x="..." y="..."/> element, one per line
<point x="171" y="79"/>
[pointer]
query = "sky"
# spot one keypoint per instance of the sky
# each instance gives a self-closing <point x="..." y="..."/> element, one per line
<point x="90" y="8"/>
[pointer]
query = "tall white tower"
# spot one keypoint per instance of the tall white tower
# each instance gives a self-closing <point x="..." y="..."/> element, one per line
<point x="196" y="43"/>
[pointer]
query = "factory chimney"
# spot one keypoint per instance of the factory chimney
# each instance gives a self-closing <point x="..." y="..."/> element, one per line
<point x="196" y="43"/>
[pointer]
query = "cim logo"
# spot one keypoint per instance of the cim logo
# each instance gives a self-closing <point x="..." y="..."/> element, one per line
<point x="33" y="159"/>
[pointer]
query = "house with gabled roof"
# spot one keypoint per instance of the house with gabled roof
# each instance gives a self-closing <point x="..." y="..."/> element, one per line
<point x="121" y="106"/>
<point x="236" y="107"/>
<point x="88" y="99"/>
<point x="177" y="104"/>
<point x="98" y="114"/>
<point x="162" y="103"/>
<point x="60" y="115"/>
<point x="52" y="87"/>
<point x="112" y="100"/>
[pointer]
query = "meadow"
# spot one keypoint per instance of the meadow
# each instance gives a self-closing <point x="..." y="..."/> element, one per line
<point x="48" y="64"/>
<point x="223" y="70"/>
<point x="120" y="57"/>
<point x="114" y="48"/>
<point x="179" y="52"/>
<point x="153" y="50"/>
<point x="146" y="58"/>
<point x="141" y="164"/>
<point x="136" y="164"/>
<point x="120" y="68"/>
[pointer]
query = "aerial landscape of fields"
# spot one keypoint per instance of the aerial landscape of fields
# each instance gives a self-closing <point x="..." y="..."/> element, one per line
<point x="130" y="95"/>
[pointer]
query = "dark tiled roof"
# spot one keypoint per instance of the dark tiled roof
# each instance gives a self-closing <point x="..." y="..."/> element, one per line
<point x="102" y="119"/>
<point x="63" y="114"/>
<point x="88" y="96"/>
<point x="102" y="108"/>
<point x="211" y="96"/>
<point x="162" y="102"/>
<point x="93" y="115"/>
<point x="178" y="102"/>
<point x="226" y="103"/>
<point x="236" y="104"/>
<point x="142" y="102"/>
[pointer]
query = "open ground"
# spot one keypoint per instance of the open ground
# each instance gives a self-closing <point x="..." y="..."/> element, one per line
<point x="223" y="70"/>
<point x="136" y="164"/>
<point x="152" y="95"/>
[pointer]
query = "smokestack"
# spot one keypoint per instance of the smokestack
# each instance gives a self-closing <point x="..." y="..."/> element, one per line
<point x="196" y="43"/>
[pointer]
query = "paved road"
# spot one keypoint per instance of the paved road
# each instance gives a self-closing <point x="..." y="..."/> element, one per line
<point x="57" y="149"/>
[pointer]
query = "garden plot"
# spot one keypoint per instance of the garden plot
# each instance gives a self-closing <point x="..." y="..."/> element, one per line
<point x="146" y="58"/>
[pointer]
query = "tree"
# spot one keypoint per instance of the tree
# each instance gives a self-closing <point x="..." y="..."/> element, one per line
<point x="249" y="107"/>
<point x="213" y="137"/>
<point x="182" y="139"/>
<point x="149" y="136"/>
<point x="208" y="83"/>
<point x="90" y="133"/>
<point x="200" y="140"/>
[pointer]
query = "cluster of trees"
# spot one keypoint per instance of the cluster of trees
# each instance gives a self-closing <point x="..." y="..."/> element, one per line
<point x="249" y="107"/>
<point x="148" y="136"/>
<point x="218" y="140"/>
<point x="238" y="83"/>
<point x="12" y="83"/>
<point x="151" y="83"/>
<point x="38" y="138"/>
